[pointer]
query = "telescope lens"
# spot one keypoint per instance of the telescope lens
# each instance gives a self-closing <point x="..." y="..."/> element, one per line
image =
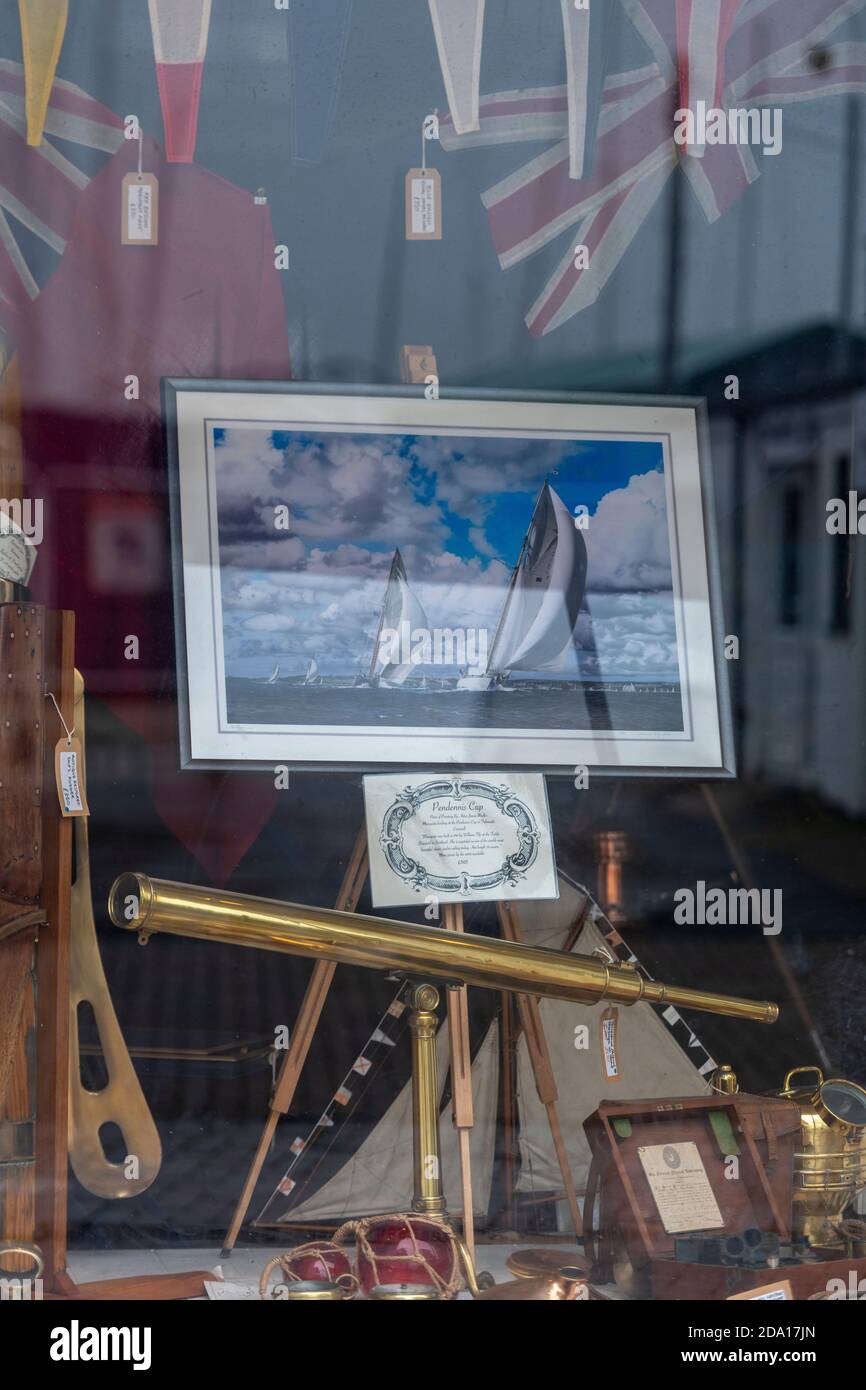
<point x="846" y="1101"/>
<point x="124" y="901"/>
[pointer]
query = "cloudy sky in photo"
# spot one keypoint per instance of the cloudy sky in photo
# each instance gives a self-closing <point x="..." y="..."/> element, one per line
<point x="458" y="509"/>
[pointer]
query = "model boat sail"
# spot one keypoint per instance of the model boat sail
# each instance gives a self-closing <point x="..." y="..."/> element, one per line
<point x="400" y="606"/>
<point x="536" y="628"/>
<point x="656" y="1055"/>
<point x="378" y="1178"/>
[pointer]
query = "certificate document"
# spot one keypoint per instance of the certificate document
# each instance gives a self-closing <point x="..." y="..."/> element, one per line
<point x="680" y="1186"/>
<point x="459" y="838"/>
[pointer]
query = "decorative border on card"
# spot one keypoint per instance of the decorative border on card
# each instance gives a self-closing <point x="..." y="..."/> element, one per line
<point x="513" y="868"/>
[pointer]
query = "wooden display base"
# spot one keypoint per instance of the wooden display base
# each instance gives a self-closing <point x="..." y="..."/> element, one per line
<point x="134" y="1287"/>
<point x="671" y="1279"/>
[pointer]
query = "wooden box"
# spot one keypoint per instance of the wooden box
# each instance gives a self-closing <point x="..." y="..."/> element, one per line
<point x="747" y="1146"/>
<point x="673" y="1280"/>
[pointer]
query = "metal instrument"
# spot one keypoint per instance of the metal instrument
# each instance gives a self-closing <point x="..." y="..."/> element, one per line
<point x="830" y="1168"/>
<point x="121" y="1101"/>
<point x="567" y="1285"/>
<point x="544" y="1262"/>
<point x="404" y="1293"/>
<point x="147" y="905"/>
<point x="311" y="1291"/>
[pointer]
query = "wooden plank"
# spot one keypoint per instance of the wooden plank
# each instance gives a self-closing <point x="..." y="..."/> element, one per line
<point x="52" y="1085"/>
<point x="137" y="1286"/>
<point x="19" y="1188"/>
<point x="11" y="452"/>
<point x="463" y="1110"/>
<point x="16" y="964"/>
<point x="22" y="664"/>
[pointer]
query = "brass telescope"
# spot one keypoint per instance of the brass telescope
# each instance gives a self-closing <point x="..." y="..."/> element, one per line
<point x="147" y="905"/>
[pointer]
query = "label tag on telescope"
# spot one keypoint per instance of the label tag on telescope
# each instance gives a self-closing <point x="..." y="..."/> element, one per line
<point x="69" y="774"/>
<point x="607" y="1031"/>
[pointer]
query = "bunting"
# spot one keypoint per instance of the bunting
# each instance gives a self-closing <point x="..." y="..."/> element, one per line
<point x="43" y="25"/>
<point x="766" y="62"/>
<point x="318" y="36"/>
<point x="458" y="26"/>
<point x="703" y="30"/>
<point x="180" y="34"/>
<point x="587" y="39"/>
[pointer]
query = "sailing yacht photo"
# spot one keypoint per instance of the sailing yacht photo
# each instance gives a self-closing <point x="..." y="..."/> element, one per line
<point x="512" y="592"/>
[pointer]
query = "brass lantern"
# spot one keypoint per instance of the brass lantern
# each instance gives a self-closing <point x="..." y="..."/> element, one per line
<point x="830" y="1168"/>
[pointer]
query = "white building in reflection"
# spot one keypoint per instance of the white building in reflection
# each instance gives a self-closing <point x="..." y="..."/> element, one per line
<point x="795" y="595"/>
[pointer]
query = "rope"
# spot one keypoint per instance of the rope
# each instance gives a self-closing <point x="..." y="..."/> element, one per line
<point x="323" y="1250"/>
<point x="359" y="1231"/>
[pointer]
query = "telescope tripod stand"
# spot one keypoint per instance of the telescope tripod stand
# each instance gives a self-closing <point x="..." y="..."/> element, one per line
<point x="460" y="1064"/>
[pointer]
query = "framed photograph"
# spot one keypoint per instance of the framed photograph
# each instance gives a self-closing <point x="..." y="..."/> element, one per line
<point x="367" y="578"/>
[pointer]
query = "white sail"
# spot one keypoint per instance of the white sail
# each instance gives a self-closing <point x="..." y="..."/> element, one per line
<point x="311" y="678"/>
<point x="401" y="615"/>
<point x="274" y="676"/>
<point x="536" y="629"/>
<point x="651" y="1060"/>
<point x="377" y="1179"/>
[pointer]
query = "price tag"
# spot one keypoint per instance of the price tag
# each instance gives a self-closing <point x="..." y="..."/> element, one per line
<point x="610" y="1063"/>
<point x="140" y="210"/>
<point x="423" y="205"/>
<point x="69" y="774"/>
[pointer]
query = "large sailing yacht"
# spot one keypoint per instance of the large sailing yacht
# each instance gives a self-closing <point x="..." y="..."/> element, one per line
<point x="536" y="627"/>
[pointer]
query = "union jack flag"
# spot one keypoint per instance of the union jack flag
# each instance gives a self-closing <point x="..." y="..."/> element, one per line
<point x="729" y="53"/>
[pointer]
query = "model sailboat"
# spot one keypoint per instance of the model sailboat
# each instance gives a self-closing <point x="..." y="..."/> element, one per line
<point x="655" y="1055"/>
<point x="536" y="627"/>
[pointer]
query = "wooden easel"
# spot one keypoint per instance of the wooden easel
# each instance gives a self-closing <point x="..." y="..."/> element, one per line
<point x="37" y="656"/>
<point x="460" y="1058"/>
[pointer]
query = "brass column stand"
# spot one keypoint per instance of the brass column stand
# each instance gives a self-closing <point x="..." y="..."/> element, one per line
<point x="429" y="1196"/>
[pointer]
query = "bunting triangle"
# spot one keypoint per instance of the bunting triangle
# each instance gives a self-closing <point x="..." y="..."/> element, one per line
<point x="180" y="34"/>
<point x="43" y="25"/>
<point x="587" y="40"/>
<point x="459" y="26"/>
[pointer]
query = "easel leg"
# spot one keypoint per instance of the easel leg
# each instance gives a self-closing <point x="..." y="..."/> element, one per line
<point x="302" y="1036"/>
<point x="530" y="1018"/>
<point x="461" y="1079"/>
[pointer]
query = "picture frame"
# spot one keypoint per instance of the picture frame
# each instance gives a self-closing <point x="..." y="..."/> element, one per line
<point x="297" y="510"/>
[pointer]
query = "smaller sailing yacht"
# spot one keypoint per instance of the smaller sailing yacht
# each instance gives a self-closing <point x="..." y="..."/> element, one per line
<point x="401" y="612"/>
<point x="312" y="677"/>
<point x="274" y="676"/>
